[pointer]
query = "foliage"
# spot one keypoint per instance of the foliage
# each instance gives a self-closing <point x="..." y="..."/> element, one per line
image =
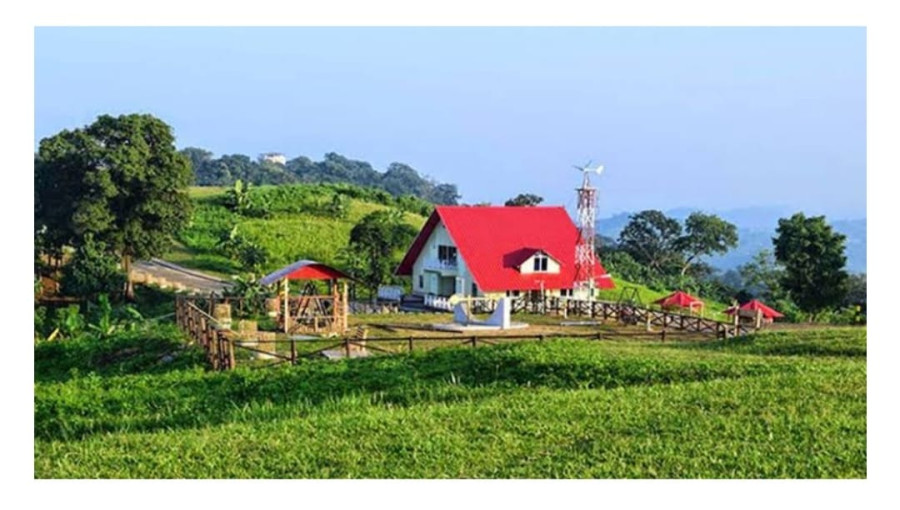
<point x="784" y="405"/>
<point x="524" y="200"/>
<point x="652" y="239"/>
<point x="761" y="277"/>
<point x="398" y="180"/>
<point x="813" y="258"/>
<point x="99" y="320"/>
<point x="377" y="238"/>
<point x="253" y="294"/>
<point x="705" y="234"/>
<point x="119" y="179"/>
<point x="93" y="270"/>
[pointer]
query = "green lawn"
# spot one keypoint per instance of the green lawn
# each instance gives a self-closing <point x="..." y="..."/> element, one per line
<point x="780" y="405"/>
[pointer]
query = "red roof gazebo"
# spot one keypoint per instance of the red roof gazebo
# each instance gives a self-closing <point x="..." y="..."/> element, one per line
<point x="752" y="306"/>
<point x="329" y="310"/>
<point x="680" y="299"/>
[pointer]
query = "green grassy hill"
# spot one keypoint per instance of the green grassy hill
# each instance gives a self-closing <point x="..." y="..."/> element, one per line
<point x="779" y="405"/>
<point x="300" y="227"/>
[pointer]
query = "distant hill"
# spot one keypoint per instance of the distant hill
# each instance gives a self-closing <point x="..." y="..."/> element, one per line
<point x="756" y="227"/>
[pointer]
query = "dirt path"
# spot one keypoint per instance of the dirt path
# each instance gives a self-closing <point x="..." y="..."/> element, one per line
<point x="168" y="275"/>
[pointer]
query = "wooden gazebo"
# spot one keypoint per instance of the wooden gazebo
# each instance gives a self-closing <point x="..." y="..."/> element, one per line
<point x="310" y="311"/>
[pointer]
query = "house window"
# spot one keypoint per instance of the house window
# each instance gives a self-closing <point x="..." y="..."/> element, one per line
<point x="447" y="254"/>
<point x="512" y="293"/>
<point x="540" y="263"/>
<point x="421" y="282"/>
<point x="566" y="292"/>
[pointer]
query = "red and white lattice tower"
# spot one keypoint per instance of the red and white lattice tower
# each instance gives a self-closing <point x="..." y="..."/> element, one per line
<point x="585" y="256"/>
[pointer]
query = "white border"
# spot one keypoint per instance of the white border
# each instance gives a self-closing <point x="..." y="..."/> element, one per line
<point x="883" y="162"/>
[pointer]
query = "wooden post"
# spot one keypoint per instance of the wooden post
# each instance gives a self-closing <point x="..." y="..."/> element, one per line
<point x="410" y="344"/>
<point x="663" y="334"/>
<point x="345" y="307"/>
<point x="287" y="306"/>
<point x="347" y="347"/>
<point x="474" y="340"/>
<point x="293" y="352"/>
<point x="211" y="295"/>
<point x="231" y="361"/>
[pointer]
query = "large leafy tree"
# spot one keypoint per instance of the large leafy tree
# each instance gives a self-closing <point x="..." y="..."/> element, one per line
<point x="653" y="239"/>
<point x="813" y="258"/>
<point x="705" y="234"/>
<point x="120" y="180"/>
<point x="376" y="239"/>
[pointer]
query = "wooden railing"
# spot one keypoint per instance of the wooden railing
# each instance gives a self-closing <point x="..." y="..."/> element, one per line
<point x="203" y="329"/>
<point x="219" y="343"/>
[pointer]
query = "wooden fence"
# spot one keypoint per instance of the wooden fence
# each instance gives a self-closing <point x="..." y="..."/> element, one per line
<point x="220" y="343"/>
<point x="206" y="331"/>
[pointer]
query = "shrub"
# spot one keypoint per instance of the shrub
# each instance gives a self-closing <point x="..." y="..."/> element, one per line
<point x="92" y="271"/>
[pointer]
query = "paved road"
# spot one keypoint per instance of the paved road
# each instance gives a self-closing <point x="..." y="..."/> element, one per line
<point x="167" y="274"/>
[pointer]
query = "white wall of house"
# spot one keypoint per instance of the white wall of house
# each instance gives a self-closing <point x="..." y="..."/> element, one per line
<point x="431" y="279"/>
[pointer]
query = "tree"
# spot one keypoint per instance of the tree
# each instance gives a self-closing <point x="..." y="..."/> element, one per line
<point x="813" y="258"/>
<point x="376" y="238"/>
<point x="524" y="199"/>
<point x="652" y="239"/>
<point x="126" y="185"/>
<point x="444" y="194"/>
<point x="761" y="276"/>
<point x="705" y="234"/>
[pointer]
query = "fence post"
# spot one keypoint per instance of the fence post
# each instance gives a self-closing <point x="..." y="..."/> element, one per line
<point x="663" y="334"/>
<point x="474" y="341"/>
<point x="599" y="335"/>
<point x="541" y="337"/>
<point x="231" y="361"/>
<point x="347" y="347"/>
<point x="293" y="352"/>
<point x="410" y="344"/>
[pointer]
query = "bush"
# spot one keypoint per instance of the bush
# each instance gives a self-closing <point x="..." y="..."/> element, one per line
<point x="92" y="271"/>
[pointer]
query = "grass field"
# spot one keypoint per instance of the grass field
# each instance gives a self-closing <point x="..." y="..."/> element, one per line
<point x="781" y="405"/>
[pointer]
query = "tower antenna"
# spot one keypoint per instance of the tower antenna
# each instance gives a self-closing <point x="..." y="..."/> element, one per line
<point x="585" y="256"/>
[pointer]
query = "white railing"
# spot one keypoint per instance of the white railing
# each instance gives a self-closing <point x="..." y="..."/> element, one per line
<point x="439" y="264"/>
<point x="390" y="292"/>
<point x="441" y="303"/>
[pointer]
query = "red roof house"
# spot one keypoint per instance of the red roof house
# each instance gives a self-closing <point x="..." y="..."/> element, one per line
<point x="477" y="250"/>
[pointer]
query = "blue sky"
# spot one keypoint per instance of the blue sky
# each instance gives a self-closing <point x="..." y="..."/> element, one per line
<point x="711" y="118"/>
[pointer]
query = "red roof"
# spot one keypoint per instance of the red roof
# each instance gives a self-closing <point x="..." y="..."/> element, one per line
<point x="679" y="299"/>
<point x="304" y="270"/>
<point x="494" y="241"/>
<point x="754" y="305"/>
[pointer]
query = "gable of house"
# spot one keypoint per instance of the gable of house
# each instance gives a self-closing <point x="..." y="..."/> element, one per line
<point x="496" y="243"/>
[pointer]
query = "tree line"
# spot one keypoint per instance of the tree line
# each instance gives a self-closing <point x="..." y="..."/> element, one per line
<point x="803" y="276"/>
<point x="399" y="179"/>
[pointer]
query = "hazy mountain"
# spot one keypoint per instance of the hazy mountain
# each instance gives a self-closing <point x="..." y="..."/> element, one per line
<point x="756" y="227"/>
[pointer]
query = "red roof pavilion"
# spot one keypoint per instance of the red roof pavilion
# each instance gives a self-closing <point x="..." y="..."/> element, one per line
<point x="679" y="299"/>
<point x="754" y="305"/>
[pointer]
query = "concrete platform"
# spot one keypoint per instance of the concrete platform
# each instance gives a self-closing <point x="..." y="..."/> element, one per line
<point x="465" y="328"/>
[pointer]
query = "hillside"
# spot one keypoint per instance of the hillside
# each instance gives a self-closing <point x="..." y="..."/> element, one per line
<point x="777" y="405"/>
<point x="300" y="225"/>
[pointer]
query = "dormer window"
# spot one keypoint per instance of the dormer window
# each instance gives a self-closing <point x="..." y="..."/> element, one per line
<point x="540" y="263"/>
